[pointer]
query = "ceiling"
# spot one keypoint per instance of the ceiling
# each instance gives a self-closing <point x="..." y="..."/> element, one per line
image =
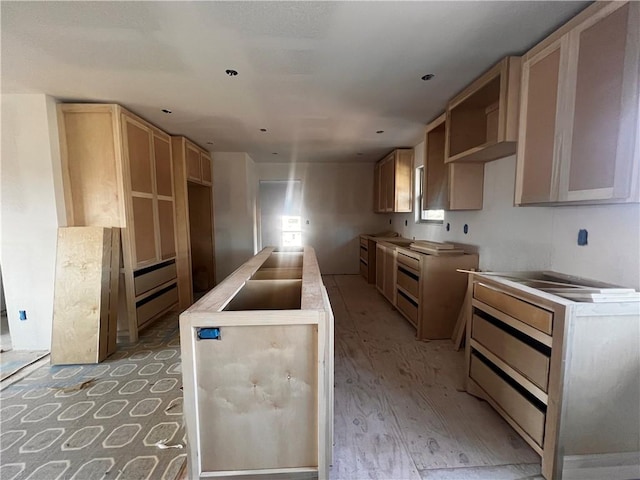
<point x="321" y="77"/>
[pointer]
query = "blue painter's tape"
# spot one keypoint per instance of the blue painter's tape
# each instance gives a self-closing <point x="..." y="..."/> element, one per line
<point x="582" y="237"/>
<point x="209" y="333"/>
<point x="22" y="314"/>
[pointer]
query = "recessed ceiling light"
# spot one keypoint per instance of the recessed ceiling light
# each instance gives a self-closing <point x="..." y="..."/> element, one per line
<point x="359" y="153"/>
<point x="209" y="143"/>
<point x="231" y="73"/>
<point x="380" y="131"/>
<point x="164" y="110"/>
<point x="274" y="153"/>
<point x="428" y="76"/>
<point x="263" y="129"/>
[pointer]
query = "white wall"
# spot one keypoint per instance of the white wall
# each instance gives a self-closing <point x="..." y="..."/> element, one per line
<point x="235" y="222"/>
<point x="522" y="238"/>
<point x="30" y="215"/>
<point x="337" y="201"/>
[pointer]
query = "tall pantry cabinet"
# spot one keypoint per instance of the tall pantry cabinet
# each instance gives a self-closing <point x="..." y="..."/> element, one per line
<point x="194" y="217"/>
<point x="118" y="172"/>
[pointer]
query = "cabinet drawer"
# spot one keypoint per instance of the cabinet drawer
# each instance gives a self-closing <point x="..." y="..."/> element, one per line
<point x="537" y="317"/>
<point x="364" y="243"/>
<point x="408" y="280"/>
<point x="155" y="304"/>
<point x="514" y="404"/>
<point x="152" y="277"/>
<point x="407" y="308"/>
<point x="522" y="357"/>
<point x="364" y="269"/>
<point x="408" y="261"/>
<point x="364" y="254"/>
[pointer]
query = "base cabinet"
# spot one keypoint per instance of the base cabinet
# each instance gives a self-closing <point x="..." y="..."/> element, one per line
<point x="564" y="374"/>
<point x="430" y="291"/>
<point x="257" y="356"/>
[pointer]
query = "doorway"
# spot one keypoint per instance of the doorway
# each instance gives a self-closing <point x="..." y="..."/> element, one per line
<point x="280" y="203"/>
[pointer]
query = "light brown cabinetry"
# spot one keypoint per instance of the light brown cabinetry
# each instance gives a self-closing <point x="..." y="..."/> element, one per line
<point x="563" y="374"/>
<point x="578" y="139"/>
<point x="453" y="186"/>
<point x="393" y="182"/>
<point x="429" y="290"/>
<point x="385" y="270"/>
<point x="198" y="164"/>
<point x="482" y="120"/>
<point x="117" y="172"/>
<point x="265" y="344"/>
<point x="194" y="216"/>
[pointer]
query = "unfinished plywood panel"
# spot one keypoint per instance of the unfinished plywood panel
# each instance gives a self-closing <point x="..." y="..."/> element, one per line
<point x="265" y="403"/>
<point x="82" y="298"/>
<point x="91" y="178"/>
<point x="260" y="366"/>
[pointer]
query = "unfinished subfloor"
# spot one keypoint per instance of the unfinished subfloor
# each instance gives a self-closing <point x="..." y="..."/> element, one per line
<point x="400" y="408"/>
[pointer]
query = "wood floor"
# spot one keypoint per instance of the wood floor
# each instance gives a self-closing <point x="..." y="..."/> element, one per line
<point x="400" y="408"/>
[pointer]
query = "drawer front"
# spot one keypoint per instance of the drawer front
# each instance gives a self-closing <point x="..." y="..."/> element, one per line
<point x="364" y="254"/>
<point x="525" y="359"/>
<point x="407" y="308"/>
<point x="408" y="281"/>
<point x="537" y="317"/>
<point x="524" y="413"/>
<point x="364" y="243"/>
<point x="364" y="270"/>
<point x="154" y="277"/>
<point x="408" y="261"/>
<point x="156" y="304"/>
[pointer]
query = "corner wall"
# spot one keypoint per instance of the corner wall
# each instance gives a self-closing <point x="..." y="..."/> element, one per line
<point x="539" y="238"/>
<point x="30" y="215"/>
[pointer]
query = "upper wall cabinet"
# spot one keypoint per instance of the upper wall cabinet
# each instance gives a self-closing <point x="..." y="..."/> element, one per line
<point x="578" y="138"/>
<point x="482" y="120"/>
<point x="393" y="182"/>
<point x="454" y="186"/>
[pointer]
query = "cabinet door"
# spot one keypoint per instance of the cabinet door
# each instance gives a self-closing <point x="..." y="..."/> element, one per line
<point x="388" y="182"/>
<point x="166" y="229"/>
<point x="403" y="181"/>
<point x="598" y="160"/>
<point x="164" y="173"/>
<point x="205" y="163"/>
<point x="138" y="149"/>
<point x="538" y="142"/>
<point x="194" y="171"/>
<point x="380" y="259"/>
<point x="144" y="231"/>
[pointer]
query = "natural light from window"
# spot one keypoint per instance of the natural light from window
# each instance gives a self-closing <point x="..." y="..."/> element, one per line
<point x="291" y="231"/>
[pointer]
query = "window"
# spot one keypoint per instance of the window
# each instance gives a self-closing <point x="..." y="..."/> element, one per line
<point x="291" y="231"/>
<point x="425" y="216"/>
